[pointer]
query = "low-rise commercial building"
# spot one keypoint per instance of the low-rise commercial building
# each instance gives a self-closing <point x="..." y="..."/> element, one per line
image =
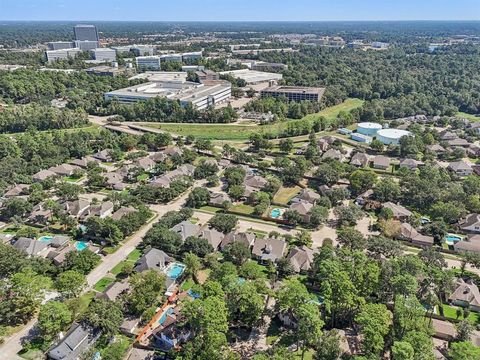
<point x="253" y="77"/>
<point x="104" y="54"/>
<point x="86" y="45"/>
<point x="294" y="93"/>
<point x="148" y="62"/>
<point x="60" y="45"/>
<point x="64" y="54"/>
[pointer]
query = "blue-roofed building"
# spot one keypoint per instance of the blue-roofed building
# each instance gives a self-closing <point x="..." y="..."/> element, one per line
<point x="361" y="138"/>
<point x="344" y="131"/>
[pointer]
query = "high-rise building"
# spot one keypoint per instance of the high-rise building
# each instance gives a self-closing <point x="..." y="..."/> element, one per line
<point x="86" y="32"/>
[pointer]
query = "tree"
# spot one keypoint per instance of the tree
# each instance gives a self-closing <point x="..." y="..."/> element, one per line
<point x="309" y="326"/>
<point x="303" y="238"/>
<point x="291" y="294"/>
<point x="374" y="320"/>
<point x="198" y="246"/>
<point x="328" y="346"/>
<point x="236" y="191"/>
<point x="245" y="304"/>
<point x="68" y="191"/>
<point x="146" y="287"/>
<point x="377" y="145"/>
<point x="53" y="318"/>
<point x="237" y="253"/>
<point x="362" y="180"/>
<point x="293" y="217"/>
<point x="70" y="283"/>
<point x="286" y="145"/>
<point x="104" y="314"/>
<point x="351" y="238"/>
<point x="251" y="270"/>
<point x="318" y="215"/>
<point x="380" y="245"/>
<point x="16" y="207"/>
<point x="193" y="265"/>
<point x="464" y="351"/>
<point x="223" y="222"/>
<point x="82" y="261"/>
<point x="198" y="197"/>
<point x="387" y="189"/>
<point x="402" y="350"/>
<point x="161" y="238"/>
<point x="348" y="215"/>
<point x="464" y="331"/>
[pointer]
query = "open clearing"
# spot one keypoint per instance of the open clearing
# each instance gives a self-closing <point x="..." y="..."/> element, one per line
<point x="243" y="132"/>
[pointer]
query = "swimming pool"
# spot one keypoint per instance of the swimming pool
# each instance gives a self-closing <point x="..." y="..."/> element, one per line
<point x="174" y="270"/>
<point x="45" y="238"/>
<point x="451" y="239"/>
<point x="81" y="245"/>
<point x="275" y="213"/>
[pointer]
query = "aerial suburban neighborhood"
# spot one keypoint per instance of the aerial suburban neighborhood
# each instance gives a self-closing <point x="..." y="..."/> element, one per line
<point x="229" y="190"/>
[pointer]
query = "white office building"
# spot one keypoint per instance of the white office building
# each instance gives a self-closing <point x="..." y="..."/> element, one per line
<point x="104" y="54"/>
<point x="86" y="45"/>
<point x="148" y="62"/>
<point x="171" y="57"/>
<point x="64" y="54"/>
<point x="60" y="45"/>
<point x="191" y="56"/>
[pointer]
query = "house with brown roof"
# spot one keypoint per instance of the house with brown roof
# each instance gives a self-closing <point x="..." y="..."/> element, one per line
<point x="381" y="162"/>
<point x="268" y="249"/>
<point x="153" y="259"/>
<point x="255" y="181"/>
<point x="436" y="149"/>
<point x="360" y="159"/>
<point x="333" y="154"/>
<point x="306" y="195"/>
<point x="448" y="135"/>
<point x="122" y="211"/>
<point x="101" y="210"/>
<point x="247" y="238"/>
<point x="114" y="290"/>
<point x="16" y="190"/>
<point x="301" y="259"/>
<point x="471" y="223"/>
<point x="64" y="169"/>
<point x="59" y="255"/>
<point x="43" y="175"/>
<point x="399" y="212"/>
<point x="40" y="215"/>
<point x="409" y="233"/>
<point x="213" y="236"/>
<point x="83" y="162"/>
<point x="145" y="163"/>
<point x="173" y="150"/>
<point x="469" y="244"/>
<point x="460" y="168"/>
<point x="303" y="208"/>
<point x="158" y="157"/>
<point x="466" y="294"/>
<point x="186" y="229"/>
<point x="76" y="208"/>
<point x="458" y="142"/>
<point x="218" y="199"/>
<point x="410" y="164"/>
<point x="103" y="155"/>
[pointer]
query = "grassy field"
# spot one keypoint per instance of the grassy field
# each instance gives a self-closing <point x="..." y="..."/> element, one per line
<point x="102" y="284"/>
<point x="243" y="209"/>
<point x="451" y="312"/>
<point x="243" y="132"/>
<point x="285" y="194"/>
<point x="468" y="116"/>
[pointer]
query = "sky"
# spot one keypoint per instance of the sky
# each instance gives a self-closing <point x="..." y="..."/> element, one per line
<point x="239" y="10"/>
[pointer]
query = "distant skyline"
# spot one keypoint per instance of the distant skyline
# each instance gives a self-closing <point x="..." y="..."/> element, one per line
<point x="244" y="10"/>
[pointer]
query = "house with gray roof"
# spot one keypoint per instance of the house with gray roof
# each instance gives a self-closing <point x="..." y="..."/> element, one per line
<point x="101" y="210"/>
<point x="64" y="169"/>
<point x="213" y="236"/>
<point x="471" y="223"/>
<point x="76" y="342"/>
<point x="145" y="163"/>
<point x="409" y="233"/>
<point x="333" y="154"/>
<point x="303" y="208"/>
<point x="399" y="212"/>
<point x="83" y="162"/>
<point x="218" y="199"/>
<point x="247" y="238"/>
<point x="158" y="157"/>
<point x="460" y="168"/>
<point x="153" y="259"/>
<point x="122" y="211"/>
<point x="31" y="247"/>
<point x="381" y="162"/>
<point x="255" y="181"/>
<point x="458" y="142"/>
<point x="448" y="135"/>
<point x="114" y="290"/>
<point x="77" y="207"/>
<point x="306" y="195"/>
<point x="43" y="175"/>
<point x="269" y="249"/>
<point x="410" y="164"/>
<point x="469" y="244"/>
<point x="466" y="295"/>
<point x="16" y="190"/>
<point x="301" y="259"/>
<point x="59" y="241"/>
<point x="360" y="159"/>
<point x="436" y="149"/>
<point x="103" y="155"/>
<point x="186" y="229"/>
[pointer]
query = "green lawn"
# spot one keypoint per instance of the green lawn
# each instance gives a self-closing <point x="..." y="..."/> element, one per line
<point x="210" y="209"/>
<point x="32" y="354"/>
<point x="243" y="132"/>
<point x="468" y="116"/>
<point x="187" y="285"/>
<point x="83" y="302"/>
<point x="285" y="194"/>
<point x="102" y="284"/>
<point x="134" y="255"/>
<point x="143" y="177"/>
<point x="451" y="312"/>
<point x="243" y="209"/>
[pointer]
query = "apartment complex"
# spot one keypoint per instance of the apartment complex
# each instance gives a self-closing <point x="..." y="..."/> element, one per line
<point x="294" y="93"/>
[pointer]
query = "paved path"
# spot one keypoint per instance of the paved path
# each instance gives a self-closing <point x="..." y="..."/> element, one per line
<point x="13" y="344"/>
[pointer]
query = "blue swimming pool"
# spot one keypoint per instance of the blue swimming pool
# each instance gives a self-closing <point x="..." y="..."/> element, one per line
<point x="175" y="270"/>
<point x="45" y="238"/>
<point x="81" y="245"/>
<point x="275" y="213"/>
<point x="451" y="239"/>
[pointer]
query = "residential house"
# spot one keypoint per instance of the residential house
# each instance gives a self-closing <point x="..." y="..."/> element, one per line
<point x="129" y="327"/>
<point x="458" y="142"/>
<point x="471" y="244"/>
<point x="64" y="169"/>
<point x="255" y="181"/>
<point x="186" y="229"/>
<point x="269" y="249"/>
<point x="301" y="259"/>
<point x="323" y="144"/>
<point x="141" y="354"/>
<point x="162" y="181"/>
<point x="466" y="295"/>
<point x="16" y="190"/>
<point x="399" y="212"/>
<point x="303" y="208"/>
<point x="306" y="195"/>
<point x="76" y="208"/>
<point x="213" y="236"/>
<point x="122" y="211"/>
<point x="409" y="233"/>
<point x="461" y="168"/>
<point x="448" y="135"/>
<point x="359" y="159"/>
<point x="40" y="215"/>
<point x="76" y="341"/>
<point x="471" y="223"/>
<point x="153" y="259"/>
<point x="436" y="149"/>
<point x="58" y="255"/>
<point x="114" y="290"/>
<point x="444" y="330"/>
<point x="173" y="150"/>
<point x="101" y="210"/>
<point x="410" y="164"/>
<point x="31" y="247"/>
<point x="145" y="163"/>
<point x="158" y="157"/>
<point x="333" y="154"/>
<point x="381" y="162"/>
<point x="473" y="151"/>
<point x="59" y="241"/>
<point x="103" y="155"/>
<point x="362" y="199"/>
<point x="247" y="238"/>
<point x="83" y="162"/>
<point x="114" y="180"/>
<point x="218" y="199"/>
<point x="43" y="175"/>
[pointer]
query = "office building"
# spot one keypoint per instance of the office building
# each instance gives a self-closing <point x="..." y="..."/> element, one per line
<point x="140" y="50"/>
<point x="294" y="93"/>
<point x="171" y="57"/>
<point x="266" y="66"/>
<point x="200" y="96"/>
<point x="148" y="62"/>
<point x="86" y="32"/>
<point x="104" y="70"/>
<point x="161" y="76"/>
<point x="207" y="75"/>
<point x="253" y="77"/>
<point x="86" y="45"/>
<point x="122" y="50"/>
<point x="104" y="54"/>
<point x="60" y="45"/>
<point x="191" y="56"/>
<point x="64" y="54"/>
